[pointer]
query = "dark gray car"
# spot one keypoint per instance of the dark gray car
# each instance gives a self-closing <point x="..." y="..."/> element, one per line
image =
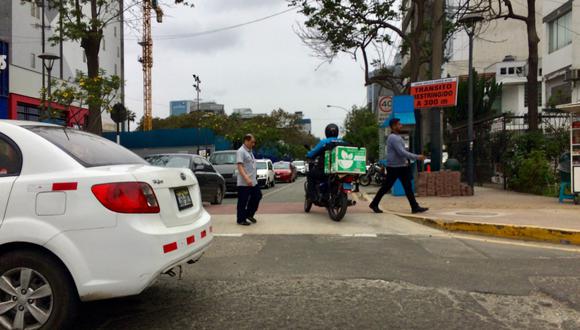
<point x="225" y="164"/>
<point x="211" y="184"/>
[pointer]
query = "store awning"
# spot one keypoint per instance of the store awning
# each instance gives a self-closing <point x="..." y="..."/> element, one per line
<point x="570" y="107"/>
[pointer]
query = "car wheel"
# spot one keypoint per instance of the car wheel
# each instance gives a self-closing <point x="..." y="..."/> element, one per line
<point x="219" y="197"/>
<point x="36" y="292"/>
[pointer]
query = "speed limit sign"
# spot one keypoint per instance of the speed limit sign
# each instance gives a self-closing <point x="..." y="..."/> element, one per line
<point x="385" y="108"/>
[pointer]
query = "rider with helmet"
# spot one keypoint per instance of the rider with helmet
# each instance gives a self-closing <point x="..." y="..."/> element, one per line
<point x="316" y="172"/>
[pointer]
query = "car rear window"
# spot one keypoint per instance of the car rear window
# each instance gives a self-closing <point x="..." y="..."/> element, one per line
<point x="174" y="161"/>
<point x="261" y="165"/>
<point x="299" y="163"/>
<point x="281" y="166"/>
<point x="223" y="158"/>
<point x="88" y="149"/>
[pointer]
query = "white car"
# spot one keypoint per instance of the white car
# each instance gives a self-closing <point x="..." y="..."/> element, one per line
<point x="82" y="218"/>
<point x="265" y="173"/>
<point x="301" y="167"/>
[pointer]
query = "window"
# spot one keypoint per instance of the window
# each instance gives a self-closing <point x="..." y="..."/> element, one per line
<point x="115" y="31"/>
<point x="32" y="9"/>
<point x="33" y="61"/>
<point x="173" y="161"/>
<point x="223" y="158"/>
<point x="10" y="159"/>
<point x="104" y="42"/>
<point x="261" y="165"/>
<point x="118" y="51"/>
<point x="559" y="31"/>
<point x="511" y="71"/>
<point x="502" y="71"/>
<point x="84" y="57"/>
<point x="115" y="69"/>
<point x="88" y="149"/>
<point x="27" y="112"/>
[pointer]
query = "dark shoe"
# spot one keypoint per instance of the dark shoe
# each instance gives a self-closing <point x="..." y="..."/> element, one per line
<point x="252" y="219"/>
<point x="245" y="223"/>
<point x="375" y="209"/>
<point x="420" y="209"/>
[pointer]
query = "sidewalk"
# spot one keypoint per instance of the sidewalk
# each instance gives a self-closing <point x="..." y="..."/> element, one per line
<point x="491" y="212"/>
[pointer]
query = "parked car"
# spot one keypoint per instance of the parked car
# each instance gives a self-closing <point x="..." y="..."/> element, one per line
<point x="83" y="219"/>
<point x="225" y="163"/>
<point x="265" y="171"/>
<point x="301" y="167"/>
<point x="285" y="172"/>
<point x="211" y="183"/>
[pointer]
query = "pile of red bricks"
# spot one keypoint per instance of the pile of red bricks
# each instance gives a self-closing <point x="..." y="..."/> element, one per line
<point x="442" y="184"/>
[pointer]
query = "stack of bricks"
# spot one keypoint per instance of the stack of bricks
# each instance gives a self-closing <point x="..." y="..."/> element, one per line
<point x="442" y="184"/>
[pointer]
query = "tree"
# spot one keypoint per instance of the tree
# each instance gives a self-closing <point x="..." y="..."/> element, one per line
<point x="84" y="21"/>
<point x="362" y="129"/>
<point x="131" y="117"/>
<point x="360" y="27"/>
<point x="503" y="9"/>
<point x="97" y="93"/>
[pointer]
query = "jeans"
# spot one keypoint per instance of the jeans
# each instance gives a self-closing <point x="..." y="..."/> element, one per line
<point x="394" y="173"/>
<point x="248" y="202"/>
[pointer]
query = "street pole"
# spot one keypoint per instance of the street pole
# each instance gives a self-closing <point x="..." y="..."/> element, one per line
<point x="470" y="20"/>
<point x="43" y="37"/>
<point x="436" y="62"/>
<point x="470" y="33"/>
<point x="48" y="62"/>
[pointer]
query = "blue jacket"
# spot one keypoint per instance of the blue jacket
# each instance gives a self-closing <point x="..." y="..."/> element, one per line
<point x="321" y="147"/>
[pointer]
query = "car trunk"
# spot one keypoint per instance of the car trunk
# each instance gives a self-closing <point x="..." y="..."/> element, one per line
<point x="170" y="185"/>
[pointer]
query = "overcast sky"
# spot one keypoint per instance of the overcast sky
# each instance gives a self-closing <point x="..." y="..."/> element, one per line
<point x="262" y="66"/>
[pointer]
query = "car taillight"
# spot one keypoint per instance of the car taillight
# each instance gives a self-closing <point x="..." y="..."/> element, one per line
<point x="127" y="197"/>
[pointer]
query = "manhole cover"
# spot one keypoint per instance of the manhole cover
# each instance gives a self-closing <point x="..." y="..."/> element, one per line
<point x="478" y="214"/>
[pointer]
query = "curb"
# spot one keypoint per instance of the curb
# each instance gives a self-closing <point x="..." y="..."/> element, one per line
<point x="559" y="236"/>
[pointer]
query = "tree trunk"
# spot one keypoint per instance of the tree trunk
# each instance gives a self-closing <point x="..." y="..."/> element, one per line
<point x="91" y="46"/>
<point x="532" y="83"/>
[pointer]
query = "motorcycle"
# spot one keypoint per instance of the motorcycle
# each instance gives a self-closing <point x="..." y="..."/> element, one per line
<point x="332" y="194"/>
<point x="375" y="174"/>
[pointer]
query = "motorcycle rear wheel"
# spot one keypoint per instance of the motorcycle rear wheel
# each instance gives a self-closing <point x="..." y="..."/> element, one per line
<point x="338" y="206"/>
<point x="364" y="180"/>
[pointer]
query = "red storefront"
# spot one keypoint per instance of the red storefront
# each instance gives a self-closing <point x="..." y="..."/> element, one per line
<point x="28" y="108"/>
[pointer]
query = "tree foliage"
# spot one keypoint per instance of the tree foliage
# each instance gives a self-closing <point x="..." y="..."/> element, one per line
<point x="362" y="129"/>
<point x="280" y="131"/>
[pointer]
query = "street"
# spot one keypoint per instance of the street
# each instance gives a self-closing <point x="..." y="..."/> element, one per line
<point x="296" y="270"/>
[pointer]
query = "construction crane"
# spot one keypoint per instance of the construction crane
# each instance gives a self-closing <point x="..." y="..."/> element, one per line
<point x="147" y="59"/>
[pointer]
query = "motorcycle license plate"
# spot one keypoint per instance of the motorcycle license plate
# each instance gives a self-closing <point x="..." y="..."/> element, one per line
<point x="347" y="186"/>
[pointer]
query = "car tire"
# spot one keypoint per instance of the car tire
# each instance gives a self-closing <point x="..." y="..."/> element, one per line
<point x="50" y="292"/>
<point x="219" y="197"/>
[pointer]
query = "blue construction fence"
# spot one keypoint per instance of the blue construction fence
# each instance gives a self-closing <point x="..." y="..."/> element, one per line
<point x="168" y="138"/>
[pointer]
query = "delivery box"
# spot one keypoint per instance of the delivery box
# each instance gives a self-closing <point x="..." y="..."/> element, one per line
<point x="347" y="160"/>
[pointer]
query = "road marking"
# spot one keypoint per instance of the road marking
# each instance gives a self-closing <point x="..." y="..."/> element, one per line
<point x="358" y="235"/>
<point x="229" y="235"/>
<point x="538" y="245"/>
<point x="281" y="189"/>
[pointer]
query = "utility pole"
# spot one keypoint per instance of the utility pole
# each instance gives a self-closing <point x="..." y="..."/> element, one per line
<point x="436" y="63"/>
<point x="196" y="87"/>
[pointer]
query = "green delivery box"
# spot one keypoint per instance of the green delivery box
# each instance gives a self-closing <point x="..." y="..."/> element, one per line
<point x="351" y="160"/>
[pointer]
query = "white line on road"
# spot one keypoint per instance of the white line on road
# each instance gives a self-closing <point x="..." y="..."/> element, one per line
<point x="281" y="189"/>
<point x="229" y="235"/>
<point x="358" y="235"/>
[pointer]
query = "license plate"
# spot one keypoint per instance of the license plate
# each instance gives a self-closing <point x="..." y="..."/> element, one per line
<point x="347" y="186"/>
<point x="183" y="198"/>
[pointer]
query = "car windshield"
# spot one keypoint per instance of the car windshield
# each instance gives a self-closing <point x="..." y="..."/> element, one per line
<point x="282" y="166"/>
<point x="88" y="149"/>
<point x="261" y="165"/>
<point x="223" y="158"/>
<point x="174" y="161"/>
<point x="298" y="163"/>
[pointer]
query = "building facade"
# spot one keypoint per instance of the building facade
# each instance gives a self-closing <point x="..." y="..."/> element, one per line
<point x="22" y="78"/>
<point x="181" y="107"/>
<point x="561" y="60"/>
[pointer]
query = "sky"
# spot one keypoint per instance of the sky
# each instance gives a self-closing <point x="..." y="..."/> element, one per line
<point x="262" y="66"/>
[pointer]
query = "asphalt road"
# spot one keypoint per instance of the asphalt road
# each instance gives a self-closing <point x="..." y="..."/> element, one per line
<point x="397" y="277"/>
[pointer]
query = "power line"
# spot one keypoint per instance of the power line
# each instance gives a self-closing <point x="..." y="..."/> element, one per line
<point x="226" y="28"/>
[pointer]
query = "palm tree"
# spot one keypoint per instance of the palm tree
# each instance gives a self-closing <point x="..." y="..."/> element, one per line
<point x="131" y="117"/>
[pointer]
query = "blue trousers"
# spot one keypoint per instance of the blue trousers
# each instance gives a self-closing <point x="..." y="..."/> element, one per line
<point x="248" y="202"/>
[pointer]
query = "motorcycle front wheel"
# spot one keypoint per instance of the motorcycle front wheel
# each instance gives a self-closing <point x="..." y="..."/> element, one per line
<point x="338" y="206"/>
<point x="364" y="180"/>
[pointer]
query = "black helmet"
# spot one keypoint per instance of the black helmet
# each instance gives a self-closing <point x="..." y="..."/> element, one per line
<point x="331" y="130"/>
